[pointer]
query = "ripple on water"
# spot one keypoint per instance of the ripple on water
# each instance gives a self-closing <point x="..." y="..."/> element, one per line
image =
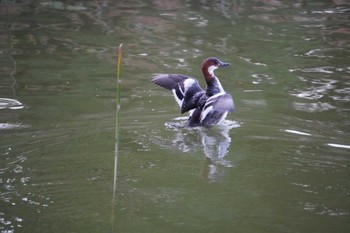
<point x="321" y="53"/>
<point x="321" y="69"/>
<point x="313" y="107"/>
<point x="322" y="209"/>
<point x="317" y="89"/>
<point x="252" y="62"/>
<point x="342" y="94"/>
<point x="260" y="78"/>
<point x="12" y="104"/>
<point x="297" y="132"/>
<point x="339" y="145"/>
<point x="6" y="103"/>
<point x="18" y="170"/>
<point x="320" y="90"/>
<point x="213" y="141"/>
<point x="334" y="10"/>
<point x="180" y="122"/>
<point x="182" y="131"/>
<point x="13" y="126"/>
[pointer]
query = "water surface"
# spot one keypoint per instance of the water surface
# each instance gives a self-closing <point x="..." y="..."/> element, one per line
<point x="280" y="163"/>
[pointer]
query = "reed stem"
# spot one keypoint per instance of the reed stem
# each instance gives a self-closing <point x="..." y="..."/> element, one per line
<point x="117" y="120"/>
<point x="116" y="145"/>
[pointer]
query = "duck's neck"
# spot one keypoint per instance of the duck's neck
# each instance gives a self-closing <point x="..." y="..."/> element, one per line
<point x="213" y="84"/>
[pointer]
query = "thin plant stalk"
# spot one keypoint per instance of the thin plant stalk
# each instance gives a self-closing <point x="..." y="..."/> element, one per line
<point x="117" y="120"/>
<point x="116" y="145"/>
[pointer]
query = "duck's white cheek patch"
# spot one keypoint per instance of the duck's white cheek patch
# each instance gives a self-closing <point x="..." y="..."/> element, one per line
<point x="211" y="69"/>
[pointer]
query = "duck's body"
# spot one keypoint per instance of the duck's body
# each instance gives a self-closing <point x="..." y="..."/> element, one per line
<point x="207" y="107"/>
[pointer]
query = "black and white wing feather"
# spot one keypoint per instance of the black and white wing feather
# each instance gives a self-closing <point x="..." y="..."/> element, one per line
<point x="186" y="90"/>
<point x="216" y="109"/>
<point x="221" y="102"/>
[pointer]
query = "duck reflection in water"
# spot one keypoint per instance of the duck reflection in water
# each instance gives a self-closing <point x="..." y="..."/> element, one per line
<point x="214" y="142"/>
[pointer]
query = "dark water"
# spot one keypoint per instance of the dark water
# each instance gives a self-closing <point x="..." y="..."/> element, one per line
<point x="280" y="163"/>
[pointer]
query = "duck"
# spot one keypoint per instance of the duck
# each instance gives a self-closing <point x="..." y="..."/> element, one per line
<point x="207" y="107"/>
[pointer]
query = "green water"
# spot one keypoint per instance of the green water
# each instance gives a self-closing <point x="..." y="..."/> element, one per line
<point x="280" y="163"/>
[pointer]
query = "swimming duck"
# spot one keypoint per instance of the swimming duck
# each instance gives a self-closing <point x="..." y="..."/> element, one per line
<point x="207" y="107"/>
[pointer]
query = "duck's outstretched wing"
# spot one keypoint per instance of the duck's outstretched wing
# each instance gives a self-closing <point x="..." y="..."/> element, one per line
<point x="186" y="90"/>
<point x="222" y="102"/>
<point x="216" y="109"/>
